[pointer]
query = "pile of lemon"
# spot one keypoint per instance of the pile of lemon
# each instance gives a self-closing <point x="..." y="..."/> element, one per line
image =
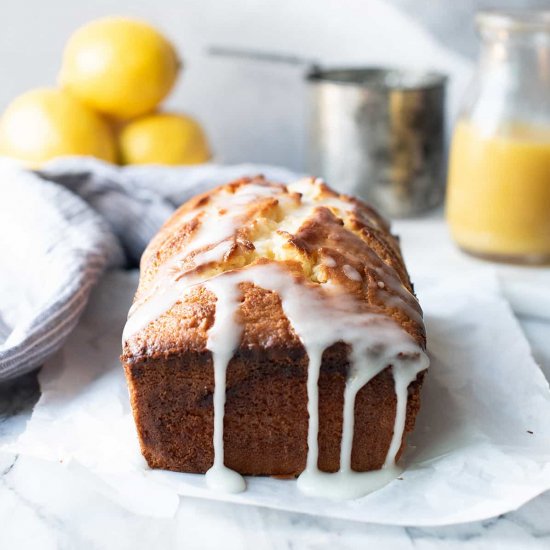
<point x="115" y="73"/>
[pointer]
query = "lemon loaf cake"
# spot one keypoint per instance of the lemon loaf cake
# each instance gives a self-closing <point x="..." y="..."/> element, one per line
<point x="275" y="331"/>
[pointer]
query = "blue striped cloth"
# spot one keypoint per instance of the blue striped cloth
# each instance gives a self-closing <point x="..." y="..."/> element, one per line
<point x="61" y="227"/>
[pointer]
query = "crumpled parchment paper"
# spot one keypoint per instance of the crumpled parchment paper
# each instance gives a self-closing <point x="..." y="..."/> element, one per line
<point x="481" y="445"/>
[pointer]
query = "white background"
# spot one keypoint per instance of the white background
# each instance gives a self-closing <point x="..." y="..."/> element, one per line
<point x="253" y="111"/>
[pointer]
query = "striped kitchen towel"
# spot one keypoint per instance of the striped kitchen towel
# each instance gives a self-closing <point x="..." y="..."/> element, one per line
<point x="61" y="227"/>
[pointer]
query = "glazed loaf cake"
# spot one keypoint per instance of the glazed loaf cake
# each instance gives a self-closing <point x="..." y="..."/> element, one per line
<point x="274" y="331"/>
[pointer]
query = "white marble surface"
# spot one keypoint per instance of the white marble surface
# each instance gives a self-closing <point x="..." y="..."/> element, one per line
<point x="42" y="505"/>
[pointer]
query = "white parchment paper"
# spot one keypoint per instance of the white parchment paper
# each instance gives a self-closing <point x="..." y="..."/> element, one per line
<point x="481" y="446"/>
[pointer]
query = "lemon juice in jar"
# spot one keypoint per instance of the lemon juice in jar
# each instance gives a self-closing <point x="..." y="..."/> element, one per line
<point x="498" y="201"/>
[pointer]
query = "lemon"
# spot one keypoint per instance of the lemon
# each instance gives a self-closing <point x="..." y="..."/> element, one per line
<point x="119" y="66"/>
<point x="163" y="138"/>
<point x="45" y="123"/>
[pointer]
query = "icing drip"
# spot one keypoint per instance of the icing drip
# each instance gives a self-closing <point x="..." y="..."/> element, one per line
<point x="315" y="357"/>
<point x="145" y="311"/>
<point x="223" y="339"/>
<point x="403" y="374"/>
<point x="376" y="344"/>
<point x="346" y="483"/>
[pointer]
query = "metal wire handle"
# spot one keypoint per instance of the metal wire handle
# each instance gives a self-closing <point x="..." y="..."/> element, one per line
<point x="256" y="55"/>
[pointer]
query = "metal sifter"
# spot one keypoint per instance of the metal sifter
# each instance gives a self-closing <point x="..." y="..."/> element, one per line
<point x="379" y="134"/>
<point x="376" y="133"/>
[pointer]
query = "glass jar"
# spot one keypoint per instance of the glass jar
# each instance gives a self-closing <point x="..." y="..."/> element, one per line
<point x="498" y="200"/>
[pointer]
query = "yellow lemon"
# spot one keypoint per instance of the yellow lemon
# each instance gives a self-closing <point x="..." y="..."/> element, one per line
<point x="163" y="138"/>
<point x="45" y="123"/>
<point x="119" y="66"/>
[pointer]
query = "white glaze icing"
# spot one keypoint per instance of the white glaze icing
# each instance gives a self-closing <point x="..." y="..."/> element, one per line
<point x="351" y="273"/>
<point x="376" y="342"/>
<point x="219" y="221"/>
<point x="214" y="254"/>
<point x="220" y="218"/>
<point x="223" y="339"/>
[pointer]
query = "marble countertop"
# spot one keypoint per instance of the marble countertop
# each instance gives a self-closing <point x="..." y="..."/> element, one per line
<point x="45" y="505"/>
